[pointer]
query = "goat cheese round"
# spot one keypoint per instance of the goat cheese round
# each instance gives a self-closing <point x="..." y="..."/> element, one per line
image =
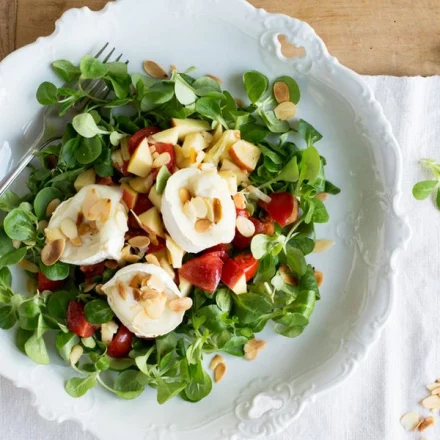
<point x="193" y="231"/>
<point x="98" y="244"/>
<point x="145" y="315"/>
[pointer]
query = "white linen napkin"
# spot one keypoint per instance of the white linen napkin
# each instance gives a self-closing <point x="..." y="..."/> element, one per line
<point x="392" y="379"/>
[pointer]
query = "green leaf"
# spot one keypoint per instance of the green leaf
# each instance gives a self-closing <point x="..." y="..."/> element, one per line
<point x="437" y="199"/>
<point x="167" y="390"/>
<point x="8" y="317"/>
<point x="330" y="188"/>
<point x="304" y="244"/>
<point x="291" y="325"/>
<point x="266" y="269"/>
<point x="205" y="85"/>
<point x="5" y="280"/>
<point x="184" y="93"/>
<point x="200" y="384"/>
<point x="78" y="386"/>
<point x="234" y="345"/>
<point x="91" y="68"/>
<point x="290" y="172"/>
<point x="422" y="190"/>
<point x="65" y="343"/>
<point x="250" y="306"/>
<point x="57" y="304"/>
<point x="115" y="138"/>
<point x="22" y="337"/>
<point x="223" y="300"/>
<point x="20" y="224"/>
<point x="8" y="201"/>
<point x="85" y="125"/>
<point x="98" y="311"/>
<point x="88" y="151"/>
<point x="210" y="108"/>
<point x="43" y="198"/>
<point x="162" y="179"/>
<point x="273" y="123"/>
<point x="127" y="385"/>
<point x="120" y="364"/>
<point x="256" y="85"/>
<point x="308" y="133"/>
<point x="29" y="314"/>
<point x="320" y="214"/>
<point x="56" y="272"/>
<point x="160" y="93"/>
<point x="212" y="317"/>
<point x="47" y="94"/>
<point x="252" y="132"/>
<point x="295" y="260"/>
<point x="294" y="91"/>
<point x="310" y="164"/>
<point x="66" y="70"/>
<point x="67" y="153"/>
<point x="304" y="303"/>
<point x="35" y="348"/>
<point x="13" y="257"/>
<point x="308" y="282"/>
<point x="261" y="245"/>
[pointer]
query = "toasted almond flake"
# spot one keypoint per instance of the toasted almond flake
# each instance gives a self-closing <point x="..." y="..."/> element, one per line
<point x="431" y="402"/>
<point x="28" y="266"/>
<point x="155" y="307"/>
<point x="285" y="111"/>
<point x="52" y="252"/>
<point x="435" y="391"/>
<point x="244" y="226"/>
<point x="136" y="281"/>
<point x="147" y="293"/>
<point x="75" y="354"/>
<point x="281" y="92"/>
<point x="100" y="211"/>
<point x="203" y="225"/>
<point x="89" y="287"/>
<point x="432" y="386"/>
<point x="68" y="228"/>
<point x="173" y="67"/>
<point x="83" y="229"/>
<point x="252" y="347"/>
<point x="16" y="243"/>
<point x="108" y="330"/>
<point x="91" y="198"/>
<point x="137" y="294"/>
<point x="127" y="256"/>
<point x="286" y="275"/>
<point x="153" y="69"/>
<point x="319" y="277"/>
<point x="79" y="218"/>
<point x="410" y="421"/>
<point x="190" y="211"/>
<point x="77" y="242"/>
<point x="180" y="304"/>
<point x="156" y="283"/>
<point x="239" y="201"/>
<point x="140" y="241"/>
<point x="145" y="280"/>
<point x="219" y="372"/>
<point x="322" y="196"/>
<point x="438" y="380"/>
<point x="122" y="290"/>
<point x="218" y="210"/>
<point x="323" y="245"/>
<point x="199" y="206"/>
<point x="217" y="359"/>
<point x="167" y="267"/>
<point x="184" y="195"/>
<point x="239" y="102"/>
<point x="53" y="204"/>
<point x="152" y="259"/>
<point x="258" y="193"/>
<point x="93" y="226"/>
<point x="53" y="234"/>
<point x="42" y="225"/>
<point x="161" y="160"/>
<point x="426" y="423"/>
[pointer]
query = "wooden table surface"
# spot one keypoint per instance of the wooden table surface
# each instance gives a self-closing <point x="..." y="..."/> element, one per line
<point x="392" y="37"/>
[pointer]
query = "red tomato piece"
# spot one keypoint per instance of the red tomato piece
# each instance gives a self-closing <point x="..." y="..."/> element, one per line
<point x="105" y="181"/>
<point x="47" y="284"/>
<point x="204" y="271"/>
<point x="225" y="247"/>
<point x="248" y="264"/>
<point x="142" y="204"/>
<point x="242" y="213"/>
<point x="283" y="208"/>
<point x="231" y="273"/>
<point x="121" y="343"/>
<point x="242" y="242"/>
<point x="167" y="148"/>
<point x="77" y="322"/>
<point x="136" y="139"/>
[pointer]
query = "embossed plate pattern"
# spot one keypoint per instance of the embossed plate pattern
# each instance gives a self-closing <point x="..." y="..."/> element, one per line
<point x="226" y="38"/>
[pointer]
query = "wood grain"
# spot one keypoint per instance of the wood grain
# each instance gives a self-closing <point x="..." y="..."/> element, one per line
<point x="394" y="37"/>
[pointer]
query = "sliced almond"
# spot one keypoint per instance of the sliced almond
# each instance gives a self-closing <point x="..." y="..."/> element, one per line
<point x="323" y="245"/>
<point x="219" y="372"/>
<point x="136" y="281"/>
<point x="432" y="386"/>
<point x="77" y="242"/>
<point x="285" y="111"/>
<point x="42" y="225"/>
<point x="16" y="243"/>
<point x="100" y="210"/>
<point x="68" y="228"/>
<point x="319" y="277"/>
<point x="53" y="204"/>
<point x="203" y="225"/>
<point x="161" y="160"/>
<point x="435" y="391"/>
<point x="199" y="206"/>
<point x="83" y="229"/>
<point x="281" y="92"/>
<point x="79" y="218"/>
<point x="156" y="283"/>
<point x="431" y="402"/>
<point x="152" y="259"/>
<point x="75" y="354"/>
<point x="180" y="304"/>
<point x="122" y="290"/>
<point x="286" y="275"/>
<point x="190" y="211"/>
<point x="217" y="359"/>
<point x="252" y="348"/>
<point x="410" y="421"/>
<point x="52" y="252"/>
<point x="244" y="226"/>
<point x="155" y="307"/>
<point x="218" y="210"/>
<point x="184" y="195"/>
<point x="147" y="293"/>
<point x="127" y="256"/>
<point x="90" y="199"/>
<point x="322" y="196"/>
<point x="153" y="69"/>
<point x="239" y="201"/>
<point x="215" y="78"/>
<point x="426" y="423"/>
<point x="140" y="242"/>
<point x="137" y="294"/>
<point x="28" y="266"/>
<point x="167" y="267"/>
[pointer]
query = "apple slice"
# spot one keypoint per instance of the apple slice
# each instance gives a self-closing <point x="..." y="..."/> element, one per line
<point x="217" y="133"/>
<point x="181" y="160"/>
<point x="129" y="196"/>
<point x="169" y="136"/>
<point x="152" y="222"/>
<point x="186" y="126"/>
<point x="245" y="155"/>
<point x="85" y="178"/>
<point x="141" y="184"/>
<point x="193" y="142"/>
<point x="231" y="180"/>
<point x="185" y="286"/>
<point x="227" y="165"/>
<point x="234" y="277"/>
<point x="174" y="252"/>
<point x="221" y="147"/>
<point x="141" y="162"/>
<point x="155" y="198"/>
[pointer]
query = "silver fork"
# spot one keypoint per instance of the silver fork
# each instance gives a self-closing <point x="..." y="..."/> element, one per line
<point x="51" y="123"/>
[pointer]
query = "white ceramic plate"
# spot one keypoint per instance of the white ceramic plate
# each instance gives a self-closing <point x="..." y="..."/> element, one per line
<point x="227" y="38"/>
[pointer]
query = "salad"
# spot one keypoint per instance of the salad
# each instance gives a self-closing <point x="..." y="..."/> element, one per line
<point x="170" y="222"/>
